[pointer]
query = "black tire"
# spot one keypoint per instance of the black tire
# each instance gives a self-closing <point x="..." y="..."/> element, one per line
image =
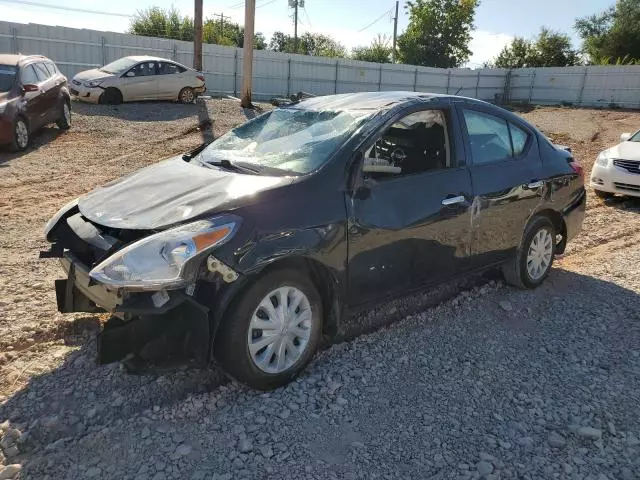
<point x="515" y="270"/>
<point x="111" y="96"/>
<point x="64" y="121"/>
<point x="602" y="195"/>
<point x="187" y="95"/>
<point x="20" y="128"/>
<point x="231" y="348"/>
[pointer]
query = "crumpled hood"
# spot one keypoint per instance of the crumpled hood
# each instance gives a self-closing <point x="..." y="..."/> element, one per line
<point x="625" y="151"/>
<point x="171" y="192"/>
<point x="94" y="74"/>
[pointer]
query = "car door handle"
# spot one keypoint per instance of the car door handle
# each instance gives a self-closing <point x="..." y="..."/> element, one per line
<point x="535" y="184"/>
<point x="453" y="200"/>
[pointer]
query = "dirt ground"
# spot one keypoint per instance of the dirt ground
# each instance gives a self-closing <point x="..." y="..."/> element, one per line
<point x="107" y="142"/>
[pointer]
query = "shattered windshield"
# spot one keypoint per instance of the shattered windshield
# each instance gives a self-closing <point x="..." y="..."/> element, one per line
<point x="119" y="65"/>
<point x="289" y="139"/>
<point x="7" y="77"/>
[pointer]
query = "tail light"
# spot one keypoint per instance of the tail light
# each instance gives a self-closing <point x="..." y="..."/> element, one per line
<point x="577" y="168"/>
<point x="200" y="77"/>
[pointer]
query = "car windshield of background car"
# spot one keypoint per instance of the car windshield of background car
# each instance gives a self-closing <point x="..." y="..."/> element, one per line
<point x="119" y="65"/>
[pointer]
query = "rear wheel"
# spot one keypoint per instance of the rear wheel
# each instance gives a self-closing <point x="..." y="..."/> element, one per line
<point x="111" y="96"/>
<point x="187" y="95"/>
<point x="272" y="331"/>
<point x="533" y="259"/>
<point x="601" y="194"/>
<point x="64" y="122"/>
<point x="21" y="138"/>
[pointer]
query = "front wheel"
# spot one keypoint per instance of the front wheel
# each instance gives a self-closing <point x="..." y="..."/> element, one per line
<point x="272" y="331"/>
<point x="64" y="122"/>
<point x="20" y="139"/>
<point x="533" y="259"/>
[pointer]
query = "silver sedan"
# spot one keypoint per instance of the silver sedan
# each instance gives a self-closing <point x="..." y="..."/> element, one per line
<point x="138" y="78"/>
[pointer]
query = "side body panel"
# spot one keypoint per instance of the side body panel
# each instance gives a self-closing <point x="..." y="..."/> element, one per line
<point x="143" y="87"/>
<point x="401" y="235"/>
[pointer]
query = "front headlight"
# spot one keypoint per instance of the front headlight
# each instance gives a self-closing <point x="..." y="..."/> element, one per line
<point x="602" y="160"/>
<point x="59" y="214"/>
<point x="93" y="83"/>
<point x="168" y="259"/>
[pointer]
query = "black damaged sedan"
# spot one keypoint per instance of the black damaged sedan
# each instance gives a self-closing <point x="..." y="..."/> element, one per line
<point x="250" y="249"/>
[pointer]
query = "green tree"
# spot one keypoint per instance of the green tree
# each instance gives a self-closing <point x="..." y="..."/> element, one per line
<point x="156" y="22"/>
<point x="548" y="49"/>
<point x="438" y="33"/>
<point x="315" y="44"/>
<point x="379" y="51"/>
<point x="612" y="36"/>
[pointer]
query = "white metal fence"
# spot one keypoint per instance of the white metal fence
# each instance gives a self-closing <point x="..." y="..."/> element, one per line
<point x="278" y="74"/>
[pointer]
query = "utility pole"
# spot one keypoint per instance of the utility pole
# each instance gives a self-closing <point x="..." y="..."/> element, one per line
<point x="247" y="52"/>
<point x="197" y="39"/>
<point x="295" y="4"/>
<point x="223" y="18"/>
<point x="395" y="34"/>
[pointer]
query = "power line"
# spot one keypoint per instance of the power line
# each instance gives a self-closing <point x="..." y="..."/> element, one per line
<point x="68" y="9"/>
<point x="376" y="20"/>
<point x="265" y="4"/>
<point x="304" y="9"/>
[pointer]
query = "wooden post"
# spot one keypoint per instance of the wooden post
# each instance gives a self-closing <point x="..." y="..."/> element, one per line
<point x="247" y="65"/>
<point x="197" y="38"/>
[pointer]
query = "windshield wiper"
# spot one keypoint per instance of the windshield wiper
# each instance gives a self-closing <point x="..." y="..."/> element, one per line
<point x="228" y="165"/>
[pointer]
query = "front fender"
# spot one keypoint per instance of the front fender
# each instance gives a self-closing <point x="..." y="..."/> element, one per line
<point x="324" y="244"/>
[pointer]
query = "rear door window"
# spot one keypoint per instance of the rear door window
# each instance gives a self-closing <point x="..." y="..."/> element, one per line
<point x="166" y="68"/>
<point x="28" y="75"/>
<point x="52" y="67"/>
<point x="41" y="71"/>
<point x="489" y="137"/>
<point x="519" y="139"/>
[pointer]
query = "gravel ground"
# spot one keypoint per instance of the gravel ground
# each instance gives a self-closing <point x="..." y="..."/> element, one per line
<point x="491" y="383"/>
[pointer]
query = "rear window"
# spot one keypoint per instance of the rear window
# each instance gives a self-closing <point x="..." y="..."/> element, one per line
<point x="8" y="75"/>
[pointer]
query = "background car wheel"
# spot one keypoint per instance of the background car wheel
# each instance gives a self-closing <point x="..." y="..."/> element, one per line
<point x="64" y="122"/>
<point x="271" y="331"/>
<point x="601" y="194"/>
<point x="111" y="96"/>
<point x="533" y="259"/>
<point x="187" y="95"/>
<point x="21" y="137"/>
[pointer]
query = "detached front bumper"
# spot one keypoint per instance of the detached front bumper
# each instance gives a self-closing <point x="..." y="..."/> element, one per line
<point x="178" y="328"/>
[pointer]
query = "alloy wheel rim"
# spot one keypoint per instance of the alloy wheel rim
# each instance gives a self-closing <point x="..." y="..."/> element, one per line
<point x="22" y="135"/>
<point x="67" y="113"/>
<point x="539" y="255"/>
<point x="187" y="96"/>
<point x="280" y="330"/>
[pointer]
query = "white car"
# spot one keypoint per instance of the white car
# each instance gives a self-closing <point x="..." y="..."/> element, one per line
<point x="138" y="78"/>
<point x="617" y="169"/>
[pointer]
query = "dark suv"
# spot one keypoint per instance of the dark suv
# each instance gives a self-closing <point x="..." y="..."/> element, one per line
<point x="33" y="93"/>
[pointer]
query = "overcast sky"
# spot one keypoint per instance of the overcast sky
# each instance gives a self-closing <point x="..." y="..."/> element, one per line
<point x="497" y="21"/>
